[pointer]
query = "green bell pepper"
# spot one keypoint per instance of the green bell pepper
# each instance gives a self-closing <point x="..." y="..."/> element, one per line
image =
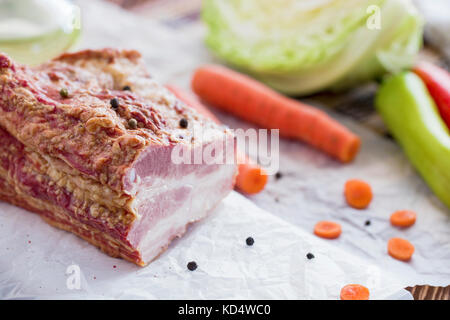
<point x="413" y="119"/>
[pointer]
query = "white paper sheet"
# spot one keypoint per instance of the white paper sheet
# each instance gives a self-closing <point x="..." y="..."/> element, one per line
<point x="37" y="261"/>
<point x="312" y="189"/>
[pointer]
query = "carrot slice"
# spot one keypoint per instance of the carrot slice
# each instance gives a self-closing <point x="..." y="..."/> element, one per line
<point x="251" y="178"/>
<point x="354" y="292"/>
<point x="252" y="101"/>
<point x="327" y="229"/>
<point x="400" y="249"/>
<point x="358" y="193"/>
<point x="403" y="218"/>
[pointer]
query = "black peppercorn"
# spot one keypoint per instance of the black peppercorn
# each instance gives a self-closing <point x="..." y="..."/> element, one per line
<point x="132" y="123"/>
<point x="183" y="123"/>
<point x="310" y="256"/>
<point x="126" y="88"/>
<point x="64" y="93"/>
<point x="278" y="175"/>
<point x="367" y="223"/>
<point x="250" y="241"/>
<point x="114" y="103"/>
<point x="192" y="265"/>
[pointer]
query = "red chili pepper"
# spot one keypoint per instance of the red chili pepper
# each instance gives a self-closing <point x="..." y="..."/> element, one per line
<point x="437" y="81"/>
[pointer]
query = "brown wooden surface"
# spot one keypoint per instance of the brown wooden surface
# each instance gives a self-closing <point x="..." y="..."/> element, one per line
<point x="178" y="10"/>
<point x="430" y="292"/>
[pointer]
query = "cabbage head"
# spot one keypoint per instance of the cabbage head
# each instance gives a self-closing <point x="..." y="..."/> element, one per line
<point x="301" y="47"/>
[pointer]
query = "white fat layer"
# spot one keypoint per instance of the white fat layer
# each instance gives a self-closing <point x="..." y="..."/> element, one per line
<point x="150" y="187"/>
<point x="205" y="194"/>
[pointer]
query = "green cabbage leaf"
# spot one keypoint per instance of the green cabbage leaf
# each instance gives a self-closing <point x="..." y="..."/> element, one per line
<point x="301" y="47"/>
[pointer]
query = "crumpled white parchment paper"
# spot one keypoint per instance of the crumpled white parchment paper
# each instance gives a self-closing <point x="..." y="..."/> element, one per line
<point x="38" y="261"/>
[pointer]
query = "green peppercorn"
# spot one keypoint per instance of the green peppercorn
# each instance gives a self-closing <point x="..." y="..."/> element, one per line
<point x="64" y="93"/>
<point x="132" y="123"/>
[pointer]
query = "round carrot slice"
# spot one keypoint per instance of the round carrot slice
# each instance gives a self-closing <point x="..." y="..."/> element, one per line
<point x="327" y="229"/>
<point x="251" y="178"/>
<point x="358" y="193"/>
<point x="403" y="218"/>
<point x="400" y="249"/>
<point x="354" y="292"/>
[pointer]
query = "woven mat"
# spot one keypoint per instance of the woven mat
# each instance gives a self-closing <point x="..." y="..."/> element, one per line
<point x="356" y="104"/>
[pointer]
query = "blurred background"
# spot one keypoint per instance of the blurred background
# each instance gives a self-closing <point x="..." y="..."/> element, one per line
<point x="33" y="31"/>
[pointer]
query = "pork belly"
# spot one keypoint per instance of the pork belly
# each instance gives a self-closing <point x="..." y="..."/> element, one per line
<point x="86" y="141"/>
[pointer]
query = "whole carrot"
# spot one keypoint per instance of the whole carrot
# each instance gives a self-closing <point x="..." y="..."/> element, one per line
<point x="191" y="101"/>
<point x="251" y="177"/>
<point x="254" y="102"/>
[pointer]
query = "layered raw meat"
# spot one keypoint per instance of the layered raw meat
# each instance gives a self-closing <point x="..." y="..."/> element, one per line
<point x="104" y="169"/>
